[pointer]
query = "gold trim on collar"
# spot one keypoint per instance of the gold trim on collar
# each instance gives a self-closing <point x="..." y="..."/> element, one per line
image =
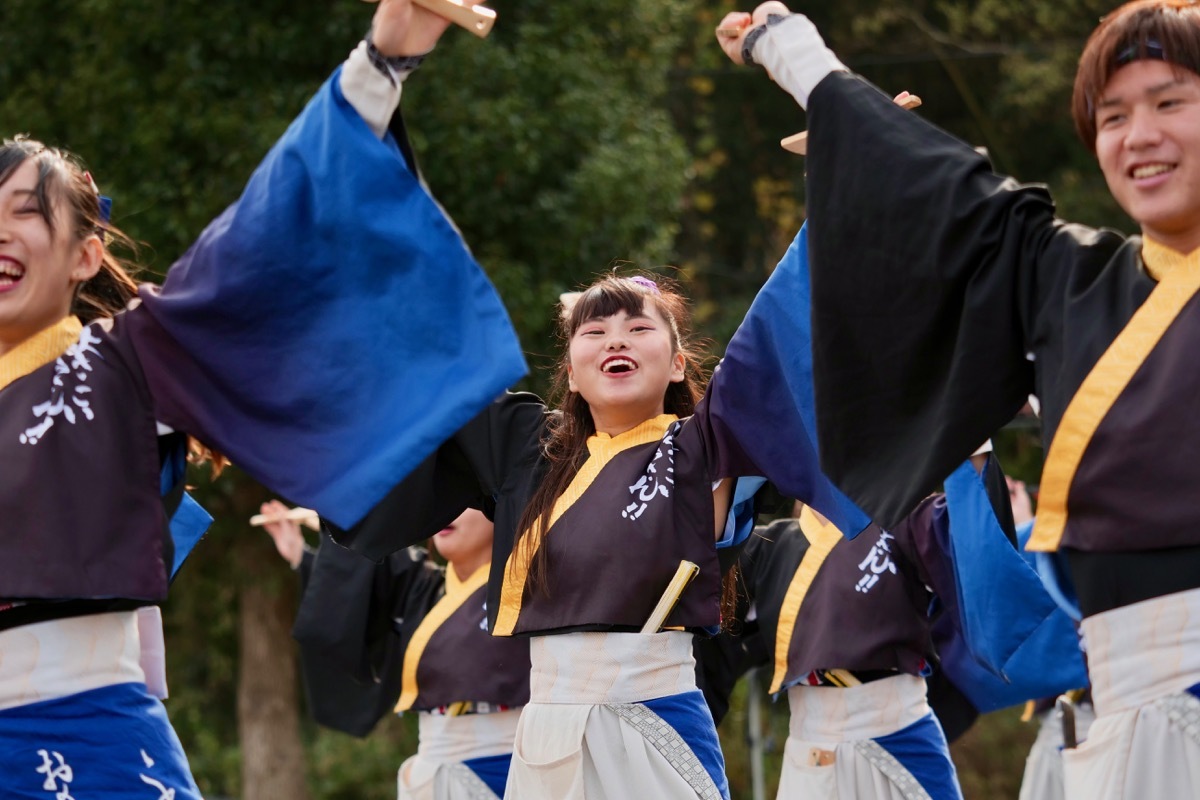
<point x="39" y="350"/>
<point x="454" y="584"/>
<point x="601" y="450"/>
<point x="457" y="593"/>
<point x="1104" y="384"/>
<point x="822" y="538"/>
<point x="1161" y="260"/>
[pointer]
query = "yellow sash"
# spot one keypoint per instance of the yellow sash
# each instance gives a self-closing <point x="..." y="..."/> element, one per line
<point x="822" y="536"/>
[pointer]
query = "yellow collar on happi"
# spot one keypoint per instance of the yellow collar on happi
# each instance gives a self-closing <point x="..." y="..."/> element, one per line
<point x="1161" y="260"/>
<point x="39" y="350"/>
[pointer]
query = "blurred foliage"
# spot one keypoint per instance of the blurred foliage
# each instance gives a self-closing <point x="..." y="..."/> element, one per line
<point x="550" y="147"/>
<point x="578" y="136"/>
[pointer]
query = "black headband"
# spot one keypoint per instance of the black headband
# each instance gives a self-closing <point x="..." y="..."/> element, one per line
<point x="1137" y="51"/>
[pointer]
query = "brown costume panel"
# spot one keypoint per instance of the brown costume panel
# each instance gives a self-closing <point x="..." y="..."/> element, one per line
<point x="358" y="619"/>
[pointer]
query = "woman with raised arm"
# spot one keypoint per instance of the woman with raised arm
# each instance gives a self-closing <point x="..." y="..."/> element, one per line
<point x="944" y="295"/>
<point x="409" y="635"/>
<point x="637" y="473"/>
<point x="101" y="383"/>
<point x="596" y="504"/>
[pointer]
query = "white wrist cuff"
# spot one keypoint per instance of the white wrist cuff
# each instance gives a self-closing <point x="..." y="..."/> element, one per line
<point x="796" y="56"/>
<point x="374" y="96"/>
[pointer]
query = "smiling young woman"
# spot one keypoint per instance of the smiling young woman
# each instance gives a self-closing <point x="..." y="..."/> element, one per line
<point x="51" y="251"/>
<point x="638" y="465"/>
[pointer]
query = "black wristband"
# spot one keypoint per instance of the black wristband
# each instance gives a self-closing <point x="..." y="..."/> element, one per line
<point x="757" y="33"/>
<point x="391" y="65"/>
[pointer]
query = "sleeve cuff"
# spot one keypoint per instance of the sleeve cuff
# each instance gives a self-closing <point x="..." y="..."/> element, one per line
<point x="796" y="56"/>
<point x="373" y="95"/>
<point x="740" y="522"/>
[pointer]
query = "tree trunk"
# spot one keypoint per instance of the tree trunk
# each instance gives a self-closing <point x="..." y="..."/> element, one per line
<point x="268" y="716"/>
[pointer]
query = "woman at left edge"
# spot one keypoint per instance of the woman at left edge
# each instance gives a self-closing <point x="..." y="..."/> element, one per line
<point x="287" y="299"/>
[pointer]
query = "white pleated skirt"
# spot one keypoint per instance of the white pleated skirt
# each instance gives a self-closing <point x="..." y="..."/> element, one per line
<point x="831" y="752"/>
<point x="588" y="734"/>
<point x="437" y="771"/>
<point x="1145" y="742"/>
<point x="1043" y="777"/>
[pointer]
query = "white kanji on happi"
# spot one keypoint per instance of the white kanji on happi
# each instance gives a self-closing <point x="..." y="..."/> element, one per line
<point x="877" y="562"/>
<point x="68" y="390"/>
<point x="58" y="776"/>
<point x="656" y="480"/>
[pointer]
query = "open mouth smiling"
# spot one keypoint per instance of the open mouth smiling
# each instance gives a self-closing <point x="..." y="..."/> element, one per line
<point x="10" y="273"/>
<point x="1143" y="171"/>
<point x="618" y="365"/>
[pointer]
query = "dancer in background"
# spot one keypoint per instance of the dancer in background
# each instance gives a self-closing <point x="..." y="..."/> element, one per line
<point x="408" y="635"/>
<point x="847" y="625"/>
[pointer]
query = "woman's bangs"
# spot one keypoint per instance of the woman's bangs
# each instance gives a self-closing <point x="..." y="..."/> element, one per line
<point x="49" y="186"/>
<point x="11" y="158"/>
<point x="610" y="296"/>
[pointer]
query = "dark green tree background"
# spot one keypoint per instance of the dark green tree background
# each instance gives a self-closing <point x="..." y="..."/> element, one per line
<point x="578" y="136"/>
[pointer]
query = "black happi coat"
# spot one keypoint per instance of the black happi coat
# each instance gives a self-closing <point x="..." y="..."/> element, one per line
<point x="609" y="534"/>
<point x="374" y="634"/>
<point x="944" y="295"/>
<point x="826" y="602"/>
<point x="221" y="354"/>
<point x="641" y="501"/>
<point x="872" y="605"/>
